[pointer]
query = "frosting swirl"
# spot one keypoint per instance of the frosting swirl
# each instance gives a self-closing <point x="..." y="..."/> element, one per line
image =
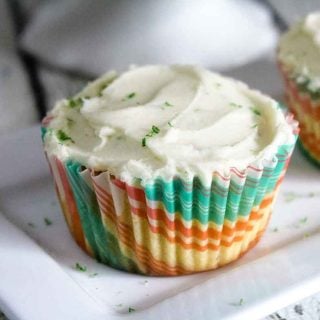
<point x="166" y="120"/>
<point x="299" y="52"/>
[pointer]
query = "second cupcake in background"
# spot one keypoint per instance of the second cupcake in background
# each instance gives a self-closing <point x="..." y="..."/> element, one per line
<point x="167" y="170"/>
<point x="299" y="62"/>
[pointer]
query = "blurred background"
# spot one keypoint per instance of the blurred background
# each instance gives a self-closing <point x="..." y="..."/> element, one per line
<point x="50" y="49"/>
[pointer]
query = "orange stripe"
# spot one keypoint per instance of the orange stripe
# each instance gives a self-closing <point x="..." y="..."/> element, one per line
<point x="178" y="225"/>
<point x="70" y="205"/>
<point x="177" y="239"/>
<point x="143" y="255"/>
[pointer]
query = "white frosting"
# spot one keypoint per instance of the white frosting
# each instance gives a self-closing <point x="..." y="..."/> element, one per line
<point x="201" y="122"/>
<point x="299" y="51"/>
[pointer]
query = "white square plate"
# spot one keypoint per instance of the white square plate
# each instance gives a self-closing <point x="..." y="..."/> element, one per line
<point x="38" y="278"/>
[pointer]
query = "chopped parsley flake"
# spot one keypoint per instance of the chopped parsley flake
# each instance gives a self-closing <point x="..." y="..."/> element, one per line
<point x="92" y="275"/>
<point x="168" y="104"/>
<point x="62" y="136"/>
<point x="80" y="267"/>
<point x="299" y="223"/>
<point x="47" y="221"/>
<point x="70" y="122"/>
<point x="303" y="220"/>
<point x="102" y="87"/>
<point x="75" y="103"/>
<point x="129" y="96"/>
<point x="154" y="130"/>
<point x="290" y="196"/>
<point x="255" y="111"/>
<point x="254" y="126"/>
<point x="235" y="105"/>
<point x="130" y="309"/>
<point x="170" y="124"/>
<point x="238" y="304"/>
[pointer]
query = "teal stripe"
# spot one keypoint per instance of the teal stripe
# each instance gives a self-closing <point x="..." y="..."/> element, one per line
<point x="103" y="243"/>
<point x="43" y="133"/>
<point x="217" y="203"/>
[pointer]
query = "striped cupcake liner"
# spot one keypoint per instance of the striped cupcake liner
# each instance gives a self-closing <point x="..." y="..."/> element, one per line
<point x="307" y="112"/>
<point x="168" y="227"/>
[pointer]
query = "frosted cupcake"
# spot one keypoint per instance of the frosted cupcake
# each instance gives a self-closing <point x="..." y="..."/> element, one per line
<point x="167" y="170"/>
<point x="299" y="61"/>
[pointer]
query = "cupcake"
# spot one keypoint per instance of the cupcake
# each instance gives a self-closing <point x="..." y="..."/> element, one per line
<point x="299" y="62"/>
<point x="167" y="170"/>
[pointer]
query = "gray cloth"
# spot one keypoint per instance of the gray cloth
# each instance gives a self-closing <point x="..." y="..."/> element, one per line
<point x="94" y="36"/>
<point x="16" y="101"/>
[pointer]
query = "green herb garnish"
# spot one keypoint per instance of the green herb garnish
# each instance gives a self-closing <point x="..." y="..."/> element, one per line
<point x="47" y="221"/>
<point x="130" y="309"/>
<point x="102" y="87"/>
<point x="170" y="124"/>
<point x="92" y="275"/>
<point x="80" y="267"/>
<point x="129" y="96"/>
<point x="235" y="105"/>
<point x="303" y="220"/>
<point x="290" y="196"/>
<point x="168" y="104"/>
<point x="254" y="126"/>
<point x="75" y="103"/>
<point x="154" y="130"/>
<point x="70" y="122"/>
<point x="238" y="304"/>
<point x="255" y="111"/>
<point x="62" y="136"/>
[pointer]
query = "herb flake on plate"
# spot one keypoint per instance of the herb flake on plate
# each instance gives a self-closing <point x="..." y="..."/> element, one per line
<point x="80" y="267"/>
<point x="238" y="304"/>
<point x="47" y="221"/>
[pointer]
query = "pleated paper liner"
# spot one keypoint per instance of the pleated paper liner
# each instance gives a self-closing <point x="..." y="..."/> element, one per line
<point x="169" y="227"/>
<point x="307" y="112"/>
